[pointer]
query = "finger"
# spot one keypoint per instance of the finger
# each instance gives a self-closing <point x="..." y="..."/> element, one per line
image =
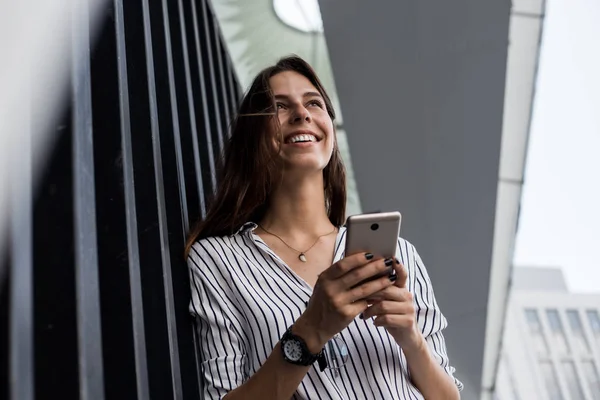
<point x="402" y="274"/>
<point x="388" y="307"/>
<point x="346" y="265"/>
<point x="391" y="293"/>
<point x="367" y="289"/>
<point x="371" y="271"/>
<point x="404" y="321"/>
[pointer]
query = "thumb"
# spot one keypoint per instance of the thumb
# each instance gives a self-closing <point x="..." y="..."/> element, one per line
<point x="402" y="274"/>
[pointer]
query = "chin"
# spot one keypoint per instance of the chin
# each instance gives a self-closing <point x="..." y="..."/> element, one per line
<point x="304" y="165"/>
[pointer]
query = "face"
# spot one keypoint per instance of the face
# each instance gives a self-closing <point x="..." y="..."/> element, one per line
<point x="306" y="128"/>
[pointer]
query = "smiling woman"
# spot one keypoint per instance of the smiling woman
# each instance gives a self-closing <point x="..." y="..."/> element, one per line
<point x="272" y="290"/>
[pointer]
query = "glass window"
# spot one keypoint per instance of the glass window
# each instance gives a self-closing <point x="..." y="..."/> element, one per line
<point x="573" y="385"/>
<point x="558" y="333"/>
<point x="550" y="380"/>
<point x="590" y="373"/>
<point x="581" y="343"/>
<point x="594" y="319"/>
<point x="535" y="330"/>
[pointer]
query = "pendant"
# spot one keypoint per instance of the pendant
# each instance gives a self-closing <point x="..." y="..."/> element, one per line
<point x="302" y="257"/>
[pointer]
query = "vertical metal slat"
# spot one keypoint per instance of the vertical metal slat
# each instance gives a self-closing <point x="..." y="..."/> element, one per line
<point x="175" y="121"/>
<point x="21" y="364"/>
<point x="91" y="375"/>
<point x="207" y="129"/>
<point x="211" y="72"/>
<point x="220" y="62"/>
<point x="234" y="88"/>
<point x="190" y="105"/>
<point x="225" y="72"/>
<point x="162" y="216"/>
<point x="135" y="281"/>
<point x="233" y="100"/>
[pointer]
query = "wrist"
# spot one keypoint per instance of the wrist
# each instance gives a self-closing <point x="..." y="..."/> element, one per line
<point x="414" y="344"/>
<point x="309" y="334"/>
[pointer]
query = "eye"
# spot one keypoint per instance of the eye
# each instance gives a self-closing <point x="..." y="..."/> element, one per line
<point x="280" y="106"/>
<point x="315" y="103"/>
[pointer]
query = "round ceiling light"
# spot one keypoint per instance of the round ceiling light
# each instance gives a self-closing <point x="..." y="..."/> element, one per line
<point x="303" y="15"/>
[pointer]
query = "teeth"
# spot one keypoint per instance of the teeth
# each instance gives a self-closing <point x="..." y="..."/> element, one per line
<point x="303" y="138"/>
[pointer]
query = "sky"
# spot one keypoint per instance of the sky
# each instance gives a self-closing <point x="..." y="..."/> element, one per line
<point x="559" y="224"/>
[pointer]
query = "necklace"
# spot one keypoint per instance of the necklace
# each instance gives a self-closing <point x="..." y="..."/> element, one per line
<point x="302" y="255"/>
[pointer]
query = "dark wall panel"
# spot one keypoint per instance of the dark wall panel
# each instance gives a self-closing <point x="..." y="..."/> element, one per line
<point x="54" y="307"/>
<point x="113" y="261"/>
<point x="134" y="162"/>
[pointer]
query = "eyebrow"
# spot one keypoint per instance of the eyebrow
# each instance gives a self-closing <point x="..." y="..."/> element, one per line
<point x="306" y="94"/>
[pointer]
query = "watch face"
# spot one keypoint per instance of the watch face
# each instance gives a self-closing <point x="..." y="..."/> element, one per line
<point x="292" y="350"/>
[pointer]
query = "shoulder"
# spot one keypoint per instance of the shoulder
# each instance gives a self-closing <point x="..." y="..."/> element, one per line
<point x="203" y="247"/>
<point x="208" y="252"/>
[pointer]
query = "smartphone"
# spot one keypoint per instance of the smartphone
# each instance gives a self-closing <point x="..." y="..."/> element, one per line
<point x="373" y="233"/>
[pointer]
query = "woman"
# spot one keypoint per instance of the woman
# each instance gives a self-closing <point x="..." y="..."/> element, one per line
<point x="281" y="312"/>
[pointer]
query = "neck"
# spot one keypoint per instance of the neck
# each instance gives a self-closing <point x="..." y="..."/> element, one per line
<point x="297" y="208"/>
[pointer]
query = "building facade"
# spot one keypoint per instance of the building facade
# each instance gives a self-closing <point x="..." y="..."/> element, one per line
<point x="551" y="346"/>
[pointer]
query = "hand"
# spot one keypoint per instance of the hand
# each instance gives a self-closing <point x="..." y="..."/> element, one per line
<point x="393" y="308"/>
<point x="339" y="296"/>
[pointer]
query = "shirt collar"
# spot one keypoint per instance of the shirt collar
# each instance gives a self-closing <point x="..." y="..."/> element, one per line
<point x="248" y="226"/>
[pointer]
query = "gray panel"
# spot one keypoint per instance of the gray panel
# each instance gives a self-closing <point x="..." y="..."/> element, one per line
<point x="21" y="324"/>
<point x="89" y="335"/>
<point x="421" y="86"/>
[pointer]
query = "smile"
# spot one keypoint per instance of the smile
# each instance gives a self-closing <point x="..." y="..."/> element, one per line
<point x="303" y="138"/>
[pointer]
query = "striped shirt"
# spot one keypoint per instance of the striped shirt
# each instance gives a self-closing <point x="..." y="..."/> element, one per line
<point x="244" y="297"/>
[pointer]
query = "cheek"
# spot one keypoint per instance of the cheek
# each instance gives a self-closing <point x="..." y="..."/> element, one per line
<point x="331" y="138"/>
<point x="326" y="125"/>
<point x="281" y="118"/>
<point x="275" y="130"/>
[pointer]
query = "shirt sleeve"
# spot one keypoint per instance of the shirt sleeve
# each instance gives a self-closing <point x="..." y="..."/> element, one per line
<point x="430" y="319"/>
<point x="221" y="346"/>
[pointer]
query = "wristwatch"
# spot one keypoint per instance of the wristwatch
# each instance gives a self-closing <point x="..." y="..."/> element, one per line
<point x="295" y="351"/>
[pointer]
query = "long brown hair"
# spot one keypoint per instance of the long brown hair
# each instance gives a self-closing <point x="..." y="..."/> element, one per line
<point x="250" y="168"/>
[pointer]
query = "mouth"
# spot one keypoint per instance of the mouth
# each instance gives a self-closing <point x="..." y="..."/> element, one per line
<point x="302" y="136"/>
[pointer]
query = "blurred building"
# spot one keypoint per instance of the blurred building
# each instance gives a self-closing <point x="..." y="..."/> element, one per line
<point x="551" y="346"/>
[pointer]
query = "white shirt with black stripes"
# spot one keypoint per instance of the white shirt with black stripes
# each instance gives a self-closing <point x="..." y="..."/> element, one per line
<point x="244" y="297"/>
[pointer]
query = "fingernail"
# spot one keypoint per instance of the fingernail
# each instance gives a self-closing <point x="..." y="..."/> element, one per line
<point x="368" y="256"/>
<point x="388" y="262"/>
<point x="393" y="277"/>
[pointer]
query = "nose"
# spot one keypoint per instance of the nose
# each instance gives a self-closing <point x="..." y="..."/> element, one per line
<point x="300" y="115"/>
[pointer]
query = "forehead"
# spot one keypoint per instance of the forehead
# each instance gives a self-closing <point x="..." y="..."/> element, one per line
<point x="291" y="83"/>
